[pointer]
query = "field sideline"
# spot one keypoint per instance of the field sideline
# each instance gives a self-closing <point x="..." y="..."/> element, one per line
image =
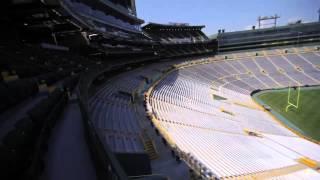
<point x="306" y="117"/>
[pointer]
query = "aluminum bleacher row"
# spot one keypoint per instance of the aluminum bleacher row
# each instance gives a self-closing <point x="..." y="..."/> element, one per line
<point x="113" y="113"/>
<point x="268" y="72"/>
<point x="117" y="115"/>
<point x="212" y="135"/>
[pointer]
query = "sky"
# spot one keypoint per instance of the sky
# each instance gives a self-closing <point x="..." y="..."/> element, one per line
<point x="231" y="15"/>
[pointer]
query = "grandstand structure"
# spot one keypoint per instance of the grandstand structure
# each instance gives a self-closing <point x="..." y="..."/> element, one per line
<point x="88" y="93"/>
<point x="180" y="39"/>
<point x="217" y="137"/>
<point x="292" y="34"/>
<point x="113" y="27"/>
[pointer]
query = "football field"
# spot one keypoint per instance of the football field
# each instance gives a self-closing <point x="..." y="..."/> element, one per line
<point x="301" y="109"/>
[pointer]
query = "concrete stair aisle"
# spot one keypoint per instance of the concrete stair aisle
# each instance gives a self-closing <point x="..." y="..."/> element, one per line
<point x="150" y="147"/>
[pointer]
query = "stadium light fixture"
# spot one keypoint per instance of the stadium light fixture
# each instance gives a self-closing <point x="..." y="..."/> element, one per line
<point x="267" y="18"/>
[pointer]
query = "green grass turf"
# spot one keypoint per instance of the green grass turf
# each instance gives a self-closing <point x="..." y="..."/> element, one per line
<point x="306" y="117"/>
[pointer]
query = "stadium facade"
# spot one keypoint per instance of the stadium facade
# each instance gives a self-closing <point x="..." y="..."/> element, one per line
<point x="87" y="92"/>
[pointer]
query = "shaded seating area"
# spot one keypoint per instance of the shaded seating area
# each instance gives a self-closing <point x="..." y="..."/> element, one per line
<point x="30" y="69"/>
<point x="23" y="147"/>
<point x="13" y="92"/>
<point x="28" y="111"/>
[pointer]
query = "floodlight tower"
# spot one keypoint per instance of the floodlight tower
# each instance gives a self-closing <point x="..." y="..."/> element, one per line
<point x="298" y="37"/>
<point x="266" y="18"/>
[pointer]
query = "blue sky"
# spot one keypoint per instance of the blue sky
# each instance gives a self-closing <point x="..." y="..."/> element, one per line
<point x="228" y="14"/>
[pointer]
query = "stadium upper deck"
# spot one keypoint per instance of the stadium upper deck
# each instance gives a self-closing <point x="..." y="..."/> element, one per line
<point x="102" y="15"/>
<point x="179" y="39"/>
<point x="294" y="34"/>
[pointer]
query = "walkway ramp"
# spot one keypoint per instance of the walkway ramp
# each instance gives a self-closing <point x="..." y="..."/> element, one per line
<point x="68" y="155"/>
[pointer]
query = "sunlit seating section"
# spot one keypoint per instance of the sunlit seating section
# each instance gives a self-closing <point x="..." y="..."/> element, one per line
<point x="227" y="154"/>
<point x="214" y="132"/>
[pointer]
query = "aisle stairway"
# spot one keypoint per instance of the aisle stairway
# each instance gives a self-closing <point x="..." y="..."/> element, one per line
<point x="149" y="146"/>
